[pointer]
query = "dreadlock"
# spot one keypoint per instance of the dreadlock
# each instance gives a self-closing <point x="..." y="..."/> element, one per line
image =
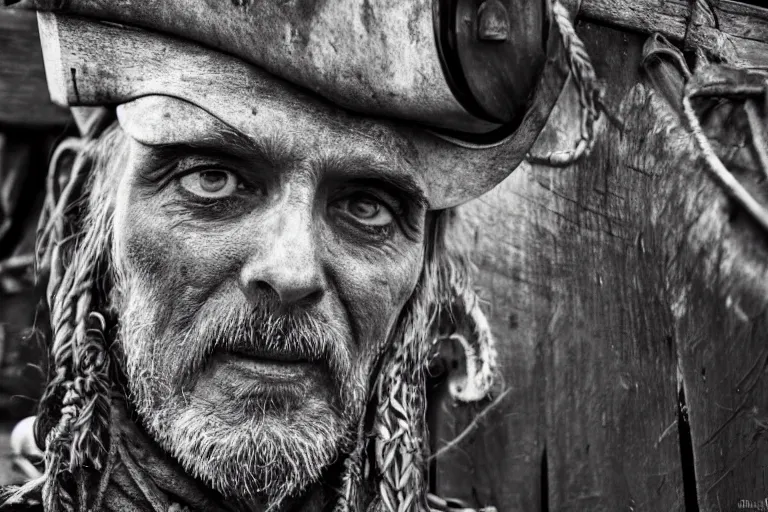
<point x="73" y="234"/>
<point x="386" y="470"/>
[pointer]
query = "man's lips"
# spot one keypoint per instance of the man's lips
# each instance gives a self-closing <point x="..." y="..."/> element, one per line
<point x="284" y="356"/>
<point x="267" y="367"/>
<point x="238" y="380"/>
<point x="247" y="374"/>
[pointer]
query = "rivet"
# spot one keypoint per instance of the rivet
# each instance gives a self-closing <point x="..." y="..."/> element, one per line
<point x="492" y="21"/>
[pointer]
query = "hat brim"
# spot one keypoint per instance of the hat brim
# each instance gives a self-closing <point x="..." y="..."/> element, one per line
<point x="92" y="63"/>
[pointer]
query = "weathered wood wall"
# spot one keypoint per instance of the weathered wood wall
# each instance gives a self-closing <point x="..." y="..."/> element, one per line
<point x="629" y="301"/>
<point x="591" y="421"/>
<point x="729" y="29"/>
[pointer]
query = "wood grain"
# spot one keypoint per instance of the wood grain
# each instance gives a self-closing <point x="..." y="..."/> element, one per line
<point x="500" y="464"/>
<point x="738" y="32"/>
<point x="718" y="287"/>
<point x="744" y="21"/>
<point x="572" y="274"/>
<point x="24" y="99"/>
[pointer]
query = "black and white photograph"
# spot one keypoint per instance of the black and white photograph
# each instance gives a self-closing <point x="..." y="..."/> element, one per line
<point x="383" y="255"/>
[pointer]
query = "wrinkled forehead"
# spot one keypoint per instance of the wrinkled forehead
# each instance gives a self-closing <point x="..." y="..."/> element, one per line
<point x="296" y="126"/>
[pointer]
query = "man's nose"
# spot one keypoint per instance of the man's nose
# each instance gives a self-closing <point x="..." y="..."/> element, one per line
<point x="285" y="262"/>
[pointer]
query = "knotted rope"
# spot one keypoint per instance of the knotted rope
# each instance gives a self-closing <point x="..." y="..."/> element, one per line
<point x="751" y="86"/>
<point x="588" y="87"/>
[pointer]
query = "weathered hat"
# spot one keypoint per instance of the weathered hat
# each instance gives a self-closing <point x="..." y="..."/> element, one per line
<point x="470" y="86"/>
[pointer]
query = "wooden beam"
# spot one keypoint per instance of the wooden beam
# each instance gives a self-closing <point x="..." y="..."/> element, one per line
<point x="733" y="31"/>
<point x="24" y="98"/>
<point x="743" y="21"/>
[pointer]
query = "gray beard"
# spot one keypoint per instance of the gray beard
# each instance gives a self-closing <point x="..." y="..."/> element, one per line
<point x="254" y="456"/>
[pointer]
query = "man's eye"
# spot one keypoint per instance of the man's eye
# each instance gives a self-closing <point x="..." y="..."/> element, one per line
<point x="211" y="183"/>
<point x="366" y="210"/>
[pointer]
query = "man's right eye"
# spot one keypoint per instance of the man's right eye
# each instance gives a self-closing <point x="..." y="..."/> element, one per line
<point x="211" y="183"/>
<point x="366" y="209"/>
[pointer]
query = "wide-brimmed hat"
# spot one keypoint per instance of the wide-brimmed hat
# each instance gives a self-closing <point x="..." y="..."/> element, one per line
<point x="469" y="84"/>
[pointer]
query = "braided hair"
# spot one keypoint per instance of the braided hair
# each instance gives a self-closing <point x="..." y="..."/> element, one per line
<point x="395" y="474"/>
<point x="72" y="241"/>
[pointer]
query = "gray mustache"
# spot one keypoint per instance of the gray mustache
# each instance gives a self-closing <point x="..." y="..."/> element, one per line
<point x="285" y="340"/>
<point x="290" y="336"/>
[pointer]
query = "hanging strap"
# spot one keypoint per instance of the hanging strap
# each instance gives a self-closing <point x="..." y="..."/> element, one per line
<point x="745" y="91"/>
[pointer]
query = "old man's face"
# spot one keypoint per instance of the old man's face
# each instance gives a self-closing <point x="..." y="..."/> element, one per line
<point x="257" y="277"/>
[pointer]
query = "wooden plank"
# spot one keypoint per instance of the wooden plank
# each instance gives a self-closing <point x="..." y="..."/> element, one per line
<point x="611" y="372"/>
<point x="723" y="361"/>
<point x="736" y="51"/>
<point x="668" y="18"/>
<point x="24" y="98"/>
<point x="718" y="286"/>
<point x="572" y="282"/>
<point x="738" y="32"/>
<point x="501" y="462"/>
<point x="740" y="20"/>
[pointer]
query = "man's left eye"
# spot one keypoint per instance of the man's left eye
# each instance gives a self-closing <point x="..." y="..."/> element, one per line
<point x="366" y="210"/>
<point x="211" y="183"/>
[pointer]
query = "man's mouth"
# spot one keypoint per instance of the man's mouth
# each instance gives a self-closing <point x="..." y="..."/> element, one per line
<point x="251" y="375"/>
<point x="282" y="368"/>
<point x="281" y="356"/>
<point x="258" y="384"/>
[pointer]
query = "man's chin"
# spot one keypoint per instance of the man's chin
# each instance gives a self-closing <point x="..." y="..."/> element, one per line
<point x="263" y="454"/>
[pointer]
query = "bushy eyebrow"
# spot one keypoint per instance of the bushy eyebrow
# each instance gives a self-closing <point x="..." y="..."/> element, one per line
<point x="359" y="168"/>
<point x="403" y="185"/>
<point x="229" y="143"/>
<point x="353" y="165"/>
<point x="408" y="186"/>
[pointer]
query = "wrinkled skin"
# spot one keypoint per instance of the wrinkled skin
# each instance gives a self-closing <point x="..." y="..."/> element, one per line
<point x="235" y="254"/>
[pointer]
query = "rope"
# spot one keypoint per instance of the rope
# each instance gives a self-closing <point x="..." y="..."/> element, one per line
<point x="713" y="164"/>
<point x="758" y="136"/>
<point x="590" y="93"/>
